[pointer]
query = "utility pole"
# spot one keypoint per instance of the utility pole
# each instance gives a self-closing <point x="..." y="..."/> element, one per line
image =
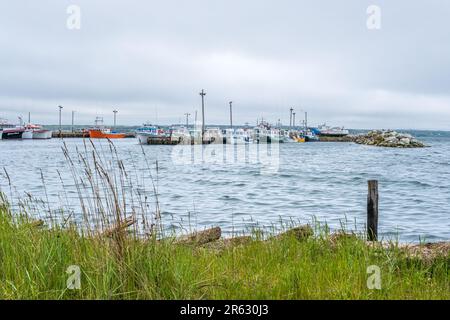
<point x="306" y="121"/>
<point x="60" y="123"/>
<point x="73" y="121"/>
<point x="231" y="114"/>
<point x="203" y="94"/>
<point x="187" y="120"/>
<point x="115" y="118"/>
<point x="290" y="119"/>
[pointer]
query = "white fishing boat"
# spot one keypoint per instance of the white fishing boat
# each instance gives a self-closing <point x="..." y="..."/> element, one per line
<point x="180" y="135"/>
<point x="148" y="132"/>
<point x="243" y="136"/>
<point x="27" y="134"/>
<point x="213" y="135"/>
<point x="275" y="136"/>
<point x="261" y="133"/>
<point x="34" y="131"/>
<point x="239" y="136"/>
<point x="333" y="131"/>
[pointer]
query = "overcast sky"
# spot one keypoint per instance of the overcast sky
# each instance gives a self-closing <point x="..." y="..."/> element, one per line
<point x="150" y="59"/>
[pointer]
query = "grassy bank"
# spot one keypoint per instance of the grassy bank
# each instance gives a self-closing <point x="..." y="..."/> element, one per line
<point x="34" y="260"/>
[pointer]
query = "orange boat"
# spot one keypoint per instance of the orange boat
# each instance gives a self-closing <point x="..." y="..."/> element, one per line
<point x="105" y="134"/>
<point x="99" y="132"/>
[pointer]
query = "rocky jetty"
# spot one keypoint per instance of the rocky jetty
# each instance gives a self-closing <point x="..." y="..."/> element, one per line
<point x="389" y="139"/>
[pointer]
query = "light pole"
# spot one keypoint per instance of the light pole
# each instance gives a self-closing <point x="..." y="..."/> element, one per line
<point x="203" y="94"/>
<point x="231" y="114"/>
<point x="290" y="119"/>
<point x="115" y="118"/>
<point x="306" y="121"/>
<point x="60" y="123"/>
<point x="187" y="120"/>
<point x="73" y="121"/>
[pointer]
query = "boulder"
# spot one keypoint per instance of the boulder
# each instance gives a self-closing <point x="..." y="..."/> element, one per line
<point x="389" y="139"/>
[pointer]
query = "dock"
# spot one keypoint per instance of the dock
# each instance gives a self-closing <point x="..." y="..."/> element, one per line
<point x="81" y="134"/>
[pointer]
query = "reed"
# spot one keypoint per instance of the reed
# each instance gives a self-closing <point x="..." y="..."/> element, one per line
<point x="124" y="252"/>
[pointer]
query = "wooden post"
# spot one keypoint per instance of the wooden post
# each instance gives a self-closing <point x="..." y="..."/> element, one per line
<point x="372" y="211"/>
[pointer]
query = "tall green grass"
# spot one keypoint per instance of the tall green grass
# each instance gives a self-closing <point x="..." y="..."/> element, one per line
<point x="34" y="260"/>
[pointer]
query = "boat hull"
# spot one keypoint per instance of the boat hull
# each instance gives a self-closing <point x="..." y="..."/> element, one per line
<point x="98" y="134"/>
<point x="7" y="135"/>
<point x="42" y="134"/>
<point x="27" y="135"/>
<point x="143" y="138"/>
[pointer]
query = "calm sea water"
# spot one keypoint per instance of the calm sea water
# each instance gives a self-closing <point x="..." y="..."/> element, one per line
<point x="323" y="181"/>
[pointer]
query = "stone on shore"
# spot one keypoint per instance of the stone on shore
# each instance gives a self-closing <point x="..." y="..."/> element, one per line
<point x="201" y="237"/>
<point x="389" y="139"/>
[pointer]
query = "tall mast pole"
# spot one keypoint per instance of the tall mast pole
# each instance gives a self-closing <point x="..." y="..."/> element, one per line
<point x="73" y="120"/>
<point x="306" y="121"/>
<point x="203" y="94"/>
<point x="231" y="114"/>
<point x="187" y="120"/>
<point x="290" y="119"/>
<point x="60" y="122"/>
<point x="115" y="119"/>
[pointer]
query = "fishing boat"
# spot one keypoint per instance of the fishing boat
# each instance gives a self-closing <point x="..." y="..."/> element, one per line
<point x="328" y="131"/>
<point x="288" y="136"/>
<point x="213" y="135"/>
<point x="34" y="131"/>
<point x="13" y="133"/>
<point x="262" y="133"/>
<point x="100" y="132"/>
<point x="4" y="124"/>
<point x="243" y="136"/>
<point x="148" y="132"/>
<point x="239" y="136"/>
<point x="10" y="131"/>
<point x="310" y="136"/>
<point x="180" y="135"/>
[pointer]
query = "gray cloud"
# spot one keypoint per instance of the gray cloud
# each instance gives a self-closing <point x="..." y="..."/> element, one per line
<point x="150" y="59"/>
